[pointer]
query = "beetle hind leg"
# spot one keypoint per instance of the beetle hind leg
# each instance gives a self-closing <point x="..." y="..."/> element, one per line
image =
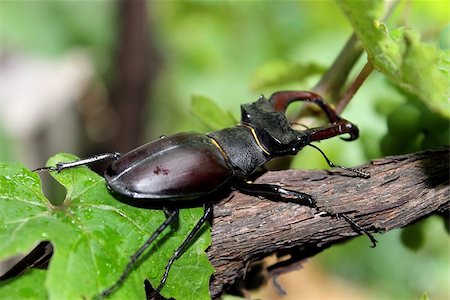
<point x="206" y="215"/>
<point x="172" y="215"/>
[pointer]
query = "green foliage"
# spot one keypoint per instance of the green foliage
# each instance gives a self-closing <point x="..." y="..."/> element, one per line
<point x="211" y="114"/>
<point x="413" y="236"/>
<point x="405" y="121"/>
<point x="280" y="72"/>
<point x="421" y="72"/>
<point x="206" y="53"/>
<point x="386" y="264"/>
<point x="413" y="127"/>
<point x="400" y="56"/>
<point x="93" y="236"/>
<point x="31" y="285"/>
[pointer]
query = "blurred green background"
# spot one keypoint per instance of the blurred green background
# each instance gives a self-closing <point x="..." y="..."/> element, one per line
<point x="68" y="70"/>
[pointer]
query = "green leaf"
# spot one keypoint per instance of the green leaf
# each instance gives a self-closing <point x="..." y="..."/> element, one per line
<point x="93" y="236"/>
<point x="413" y="236"/>
<point x="209" y="113"/>
<point x="400" y="56"/>
<point x="29" y="286"/>
<point x="278" y="72"/>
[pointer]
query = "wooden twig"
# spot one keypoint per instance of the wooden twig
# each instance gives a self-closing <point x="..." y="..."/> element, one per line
<point x="401" y="190"/>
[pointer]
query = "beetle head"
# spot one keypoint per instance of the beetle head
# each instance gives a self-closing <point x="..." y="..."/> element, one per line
<point x="272" y="128"/>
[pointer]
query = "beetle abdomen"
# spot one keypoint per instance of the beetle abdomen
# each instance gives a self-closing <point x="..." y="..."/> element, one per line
<point x="183" y="166"/>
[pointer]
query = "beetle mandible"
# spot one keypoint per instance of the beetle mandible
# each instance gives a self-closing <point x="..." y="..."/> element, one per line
<point x="189" y="166"/>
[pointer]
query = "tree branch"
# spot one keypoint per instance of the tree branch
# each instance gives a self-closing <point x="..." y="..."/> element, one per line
<point x="401" y="190"/>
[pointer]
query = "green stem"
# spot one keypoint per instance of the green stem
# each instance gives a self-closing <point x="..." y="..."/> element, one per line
<point x="331" y="84"/>
<point x="334" y="79"/>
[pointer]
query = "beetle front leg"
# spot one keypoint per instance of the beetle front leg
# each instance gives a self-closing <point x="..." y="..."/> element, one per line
<point x="281" y="100"/>
<point x="39" y="258"/>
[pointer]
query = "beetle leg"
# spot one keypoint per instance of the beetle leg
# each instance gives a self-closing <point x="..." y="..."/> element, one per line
<point x="206" y="215"/>
<point x="150" y="292"/>
<point x="358" y="227"/>
<point x="293" y="263"/>
<point x="172" y="216"/>
<point x="277" y="191"/>
<point x="39" y="258"/>
<point x="80" y="162"/>
<point x="272" y="190"/>
<point x="281" y="100"/>
<point x="331" y="164"/>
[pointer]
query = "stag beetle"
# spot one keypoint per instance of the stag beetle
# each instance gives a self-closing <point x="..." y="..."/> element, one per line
<point x="189" y="166"/>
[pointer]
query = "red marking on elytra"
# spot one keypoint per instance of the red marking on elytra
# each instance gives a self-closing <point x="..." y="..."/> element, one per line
<point x="161" y="171"/>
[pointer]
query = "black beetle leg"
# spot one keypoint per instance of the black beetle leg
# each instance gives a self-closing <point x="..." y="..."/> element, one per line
<point x="331" y="164"/>
<point x="150" y="292"/>
<point x="80" y="162"/>
<point x="272" y="190"/>
<point x="276" y="191"/>
<point x="39" y="258"/>
<point x="294" y="263"/>
<point x="206" y="215"/>
<point x="172" y="216"/>
<point x="358" y="228"/>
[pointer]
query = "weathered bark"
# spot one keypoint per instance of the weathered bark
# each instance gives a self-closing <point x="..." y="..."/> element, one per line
<point x="400" y="190"/>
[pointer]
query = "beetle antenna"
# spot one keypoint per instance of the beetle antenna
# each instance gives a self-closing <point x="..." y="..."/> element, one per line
<point x="173" y="214"/>
<point x="331" y="164"/>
